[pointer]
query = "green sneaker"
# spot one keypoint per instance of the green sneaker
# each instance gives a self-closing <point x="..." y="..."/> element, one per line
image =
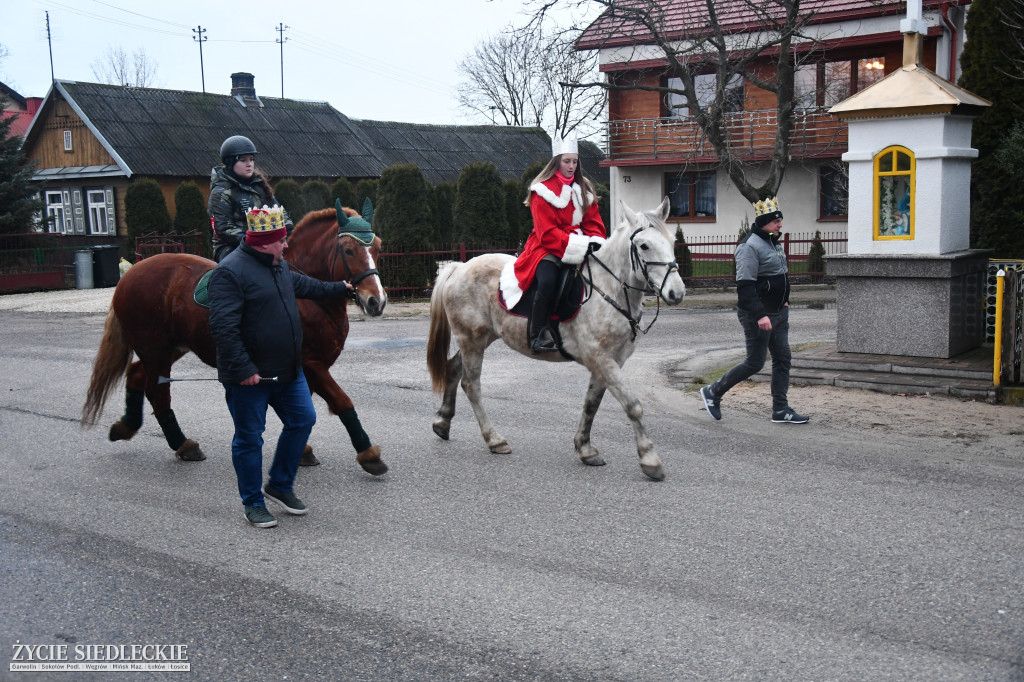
<point x="259" y="516"/>
<point x="291" y="504"/>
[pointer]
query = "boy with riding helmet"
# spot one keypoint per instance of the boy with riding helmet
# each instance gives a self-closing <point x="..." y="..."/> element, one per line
<point x="235" y="188"/>
<point x="566" y="223"/>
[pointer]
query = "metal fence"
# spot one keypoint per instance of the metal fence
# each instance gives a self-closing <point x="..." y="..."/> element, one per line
<point x="407" y="272"/>
<point x="712" y="257"/>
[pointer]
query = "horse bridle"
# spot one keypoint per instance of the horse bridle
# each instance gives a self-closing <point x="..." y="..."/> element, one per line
<point x="636" y="262"/>
<point x="353" y="294"/>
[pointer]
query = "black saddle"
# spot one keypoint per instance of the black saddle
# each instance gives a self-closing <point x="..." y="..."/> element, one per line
<point x="567" y="305"/>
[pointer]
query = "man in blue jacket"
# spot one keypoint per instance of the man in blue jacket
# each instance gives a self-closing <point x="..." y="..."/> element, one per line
<point x="258" y="334"/>
<point x="762" y="286"/>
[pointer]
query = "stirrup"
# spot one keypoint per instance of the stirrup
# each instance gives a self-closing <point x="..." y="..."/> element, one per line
<point x="543" y="343"/>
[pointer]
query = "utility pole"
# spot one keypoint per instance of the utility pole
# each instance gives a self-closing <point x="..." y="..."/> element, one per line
<point x="49" y="41"/>
<point x="200" y="37"/>
<point x="281" y="28"/>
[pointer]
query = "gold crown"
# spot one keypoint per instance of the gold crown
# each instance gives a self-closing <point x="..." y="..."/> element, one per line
<point x="265" y="219"/>
<point x="766" y="206"/>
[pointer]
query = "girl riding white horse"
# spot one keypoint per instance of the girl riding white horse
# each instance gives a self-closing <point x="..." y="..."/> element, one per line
<point x="637" y="257"/>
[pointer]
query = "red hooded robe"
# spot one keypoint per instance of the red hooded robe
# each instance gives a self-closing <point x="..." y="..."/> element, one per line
<point x="560" y="228"/>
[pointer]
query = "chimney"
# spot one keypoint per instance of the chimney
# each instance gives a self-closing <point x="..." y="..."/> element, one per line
<point x="243" y="88"/>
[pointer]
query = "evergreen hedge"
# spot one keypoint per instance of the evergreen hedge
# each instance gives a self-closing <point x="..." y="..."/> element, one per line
<point x="342" y="189"/>
<point x="145" y="210"/>
<point x="683" y="256"/>
<point x="190" y="214"/>
<point x="366" y="189"/>
<point x="480" y="205"/>
<point x="316" y="195"/>
<point x="444" y="213"/>
<point x="403" y="216"/>
<point x="289" y="194"/>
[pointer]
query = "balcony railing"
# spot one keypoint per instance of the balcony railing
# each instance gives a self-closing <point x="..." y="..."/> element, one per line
<point x="751" y="136"/>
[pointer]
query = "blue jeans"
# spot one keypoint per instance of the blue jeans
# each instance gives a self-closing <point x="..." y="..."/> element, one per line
<point x="759" y="343"/>
<point x="248" y="407"/>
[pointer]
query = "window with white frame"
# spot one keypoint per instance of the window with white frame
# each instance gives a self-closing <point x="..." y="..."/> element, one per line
<point x="67" y="140"/>
<point x="55" y="212"/>
<point x="705" y="85"/>
<point x="96" y="204"/>
<point x="692" y="196"/>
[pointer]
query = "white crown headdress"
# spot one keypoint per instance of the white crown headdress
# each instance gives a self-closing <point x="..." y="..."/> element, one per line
<point x="265" y="219"/>
<point x="564" y="145"/>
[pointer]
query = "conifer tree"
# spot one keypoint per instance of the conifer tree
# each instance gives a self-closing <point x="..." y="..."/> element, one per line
<point x="683" y="256"/>
<point x="289" y="195"/>
<point x="816" y="259"/>
<point x="145" y="210"/>
<point x="997" y="204"/>
<point x="19" y="200"/>
<point x="342" y="189"/>
<point x="444" y="213"/>
<point x="316" y="195"/>
<point x="480" y="205"/>
<point x="402" y="215"/>
<point x="366" y="189"/>
<point x="190" y="214"/>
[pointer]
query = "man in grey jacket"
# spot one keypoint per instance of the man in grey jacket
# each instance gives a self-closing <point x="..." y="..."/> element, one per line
<point x="762" y="286"/>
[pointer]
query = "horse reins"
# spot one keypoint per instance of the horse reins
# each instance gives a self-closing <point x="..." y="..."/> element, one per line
<point x="635" y="263"/>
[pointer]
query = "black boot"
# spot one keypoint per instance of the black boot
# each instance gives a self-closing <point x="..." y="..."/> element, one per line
<point x="540" y="336"/>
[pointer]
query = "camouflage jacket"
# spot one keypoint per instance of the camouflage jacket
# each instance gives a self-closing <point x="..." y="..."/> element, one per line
<point x="229" y="200"/>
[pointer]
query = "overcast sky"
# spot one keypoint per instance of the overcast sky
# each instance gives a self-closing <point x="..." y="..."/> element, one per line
<point x="390" y="60"/>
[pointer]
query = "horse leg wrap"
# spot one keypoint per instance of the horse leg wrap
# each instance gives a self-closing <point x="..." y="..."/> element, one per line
<point x="172" y="432"/>
<point x="132" y="417"/>
<point x="360" y="441"/>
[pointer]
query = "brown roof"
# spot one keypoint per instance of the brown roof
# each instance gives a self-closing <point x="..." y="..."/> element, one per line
<point x="680" y="18"/>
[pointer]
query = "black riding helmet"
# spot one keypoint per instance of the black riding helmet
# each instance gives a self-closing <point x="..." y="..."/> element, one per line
<point x="235" y="146"/>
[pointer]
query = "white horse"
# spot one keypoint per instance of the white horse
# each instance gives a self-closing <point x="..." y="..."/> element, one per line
<point x="637" y="258"/>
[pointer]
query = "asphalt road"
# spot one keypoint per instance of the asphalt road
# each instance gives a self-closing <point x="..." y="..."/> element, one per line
<point x="768" y="552"/>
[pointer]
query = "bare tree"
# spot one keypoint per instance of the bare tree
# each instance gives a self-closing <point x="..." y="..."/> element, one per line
<point x="117" y="68"/>
<point x="520" y="75"/>
<point x="647" y="30"/>
<point x="501" y="76"/>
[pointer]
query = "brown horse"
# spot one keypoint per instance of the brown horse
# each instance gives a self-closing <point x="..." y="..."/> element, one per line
<point x="153" y="314"/>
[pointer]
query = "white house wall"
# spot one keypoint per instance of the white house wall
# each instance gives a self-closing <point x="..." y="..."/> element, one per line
<point x="642" y="188"/>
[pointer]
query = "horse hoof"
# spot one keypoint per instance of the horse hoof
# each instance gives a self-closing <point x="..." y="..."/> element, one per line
<point x="190" y="452"/>
<point x="308" y="458"/>
<point x="118" y="431"/>
<point x="593" y="461"/>
<point x="441" y="428"/>
<point x="655" y="472"/>
<point x="501" y="448"/>
<point x="371" y="462"/>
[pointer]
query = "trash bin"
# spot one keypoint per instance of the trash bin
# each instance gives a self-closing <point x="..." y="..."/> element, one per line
<point x="83" y="269"/>
<point x="105" y="272"/>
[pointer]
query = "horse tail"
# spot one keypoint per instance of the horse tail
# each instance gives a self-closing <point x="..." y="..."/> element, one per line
<point x="111" y="364"/>
<point x="440" y="332"/>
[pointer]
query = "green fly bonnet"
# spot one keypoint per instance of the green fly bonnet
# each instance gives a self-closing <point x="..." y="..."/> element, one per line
<point x="356" y="227"/>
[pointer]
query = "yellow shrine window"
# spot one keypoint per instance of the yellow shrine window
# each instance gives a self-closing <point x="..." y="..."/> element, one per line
<point x="894" y="193"/>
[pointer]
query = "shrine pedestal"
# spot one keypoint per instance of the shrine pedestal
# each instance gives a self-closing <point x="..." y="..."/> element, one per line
<point x="920" y="305"/>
